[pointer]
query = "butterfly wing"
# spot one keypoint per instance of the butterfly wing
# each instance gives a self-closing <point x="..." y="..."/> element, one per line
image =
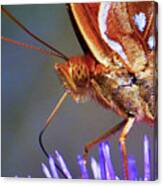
<point x="126" y="29"/>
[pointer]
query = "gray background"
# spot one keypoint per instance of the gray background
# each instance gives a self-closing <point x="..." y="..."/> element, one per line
<point x="31" y="89"/>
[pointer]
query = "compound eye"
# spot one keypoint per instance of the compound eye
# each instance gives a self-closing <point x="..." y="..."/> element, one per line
<point x="80" y="75"/>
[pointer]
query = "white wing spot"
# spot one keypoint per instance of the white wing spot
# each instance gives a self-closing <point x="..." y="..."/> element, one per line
<point x="140" y="21"/>
<point x="102" y="19"/>
<point x="151" y="42"/>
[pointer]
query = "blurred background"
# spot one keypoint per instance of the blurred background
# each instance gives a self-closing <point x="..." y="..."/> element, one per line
<point x="31" y="89"/>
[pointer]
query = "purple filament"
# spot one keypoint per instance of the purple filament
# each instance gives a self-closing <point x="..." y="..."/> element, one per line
<point x="53" y="168"/>
<point x="102" y="161"/>
<point x="83" y="168"/>
<point x="147" y="172"/>
<point x="133" y="174"/>
<point x="95" y="169"/>
<point x="63" y="164"/>
<point x="46" y="171"/>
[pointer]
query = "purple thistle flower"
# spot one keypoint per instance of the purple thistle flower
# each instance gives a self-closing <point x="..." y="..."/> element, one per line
<point x="104" y="168"/>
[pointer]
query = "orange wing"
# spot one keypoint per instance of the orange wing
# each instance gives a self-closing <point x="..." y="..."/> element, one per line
<point x="127" y="29"/>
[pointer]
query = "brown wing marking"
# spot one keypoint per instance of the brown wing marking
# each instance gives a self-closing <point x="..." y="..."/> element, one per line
<point x="85" y="15"/>
<point x="120" y="28"/>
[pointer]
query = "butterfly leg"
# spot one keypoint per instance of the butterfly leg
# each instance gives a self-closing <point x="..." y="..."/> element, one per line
<point x="102" y="137"/>
<point x="122" y="141"/>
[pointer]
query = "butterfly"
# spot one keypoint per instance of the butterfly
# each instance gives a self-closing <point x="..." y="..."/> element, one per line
<point x="118" y="69"/>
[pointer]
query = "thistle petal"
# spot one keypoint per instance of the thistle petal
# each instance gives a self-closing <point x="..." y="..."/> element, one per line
<point x="46" y="171"/>
<point x="63" y="164"/>
<point x="110" y="174"/>
<point x="102" y="160"/>
<point x="83" y="168"/>
<point x="95" y="169"/>
<point x="133" y="174"/>
<point x="53" y="168"/>
<point x="147" y="173"/>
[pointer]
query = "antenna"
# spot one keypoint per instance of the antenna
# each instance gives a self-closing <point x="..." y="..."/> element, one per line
<point x="25" y="29"/>
<point x="32" y="47"/>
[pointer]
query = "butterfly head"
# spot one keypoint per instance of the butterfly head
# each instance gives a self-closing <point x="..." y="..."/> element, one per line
<point x="75" y="76"/>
